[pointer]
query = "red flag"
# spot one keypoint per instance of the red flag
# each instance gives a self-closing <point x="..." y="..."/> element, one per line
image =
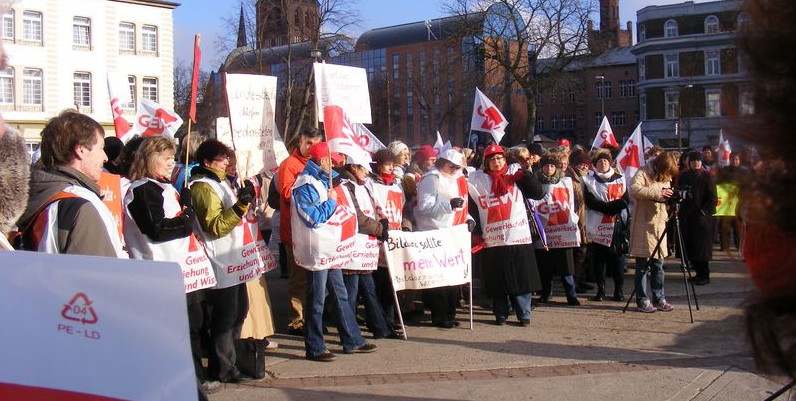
<point x="631" y="157"/>
<point x="197" y="56"/>
<point x="119" y="91"/>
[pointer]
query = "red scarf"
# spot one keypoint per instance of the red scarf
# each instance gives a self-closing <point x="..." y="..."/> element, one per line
<point x="387" y="178"/>
<point x="502" y="182"/>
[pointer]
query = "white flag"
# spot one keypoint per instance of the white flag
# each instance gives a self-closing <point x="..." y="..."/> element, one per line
<point x="631" y="157"/>
<point x="153" y="120"/>
<point x="724" y="151"/>
<point x="119" y="94"/>
<point x="647" y="144"/>
<point x="605" y="136"/>
<point x="438" y="144"/>
<point x="487" y="117"/>
<point x="367" y="139"/>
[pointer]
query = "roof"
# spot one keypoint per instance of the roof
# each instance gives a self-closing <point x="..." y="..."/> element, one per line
<point x="246" y="57"/>
<point x="154" y="3"/>
<point x="414" y="32"/>
<point x="611" y="57"/>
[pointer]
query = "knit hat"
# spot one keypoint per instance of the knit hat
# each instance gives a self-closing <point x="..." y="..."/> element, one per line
<point x="694" y="155"/>
<point x="425" y="152"/>
<point x="493" y="149"/>
<point x="549" y="159"/>
<point x="536" y="149"/>
<point x="578" y="157"/>
<point x="601" y="154"/>
<point x="321" y="149"/>
<point x="396" y="147"/>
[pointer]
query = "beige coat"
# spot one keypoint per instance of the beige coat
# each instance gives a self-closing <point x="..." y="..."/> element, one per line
<point x="649" y="215"/>
<point x="259" y="322"/>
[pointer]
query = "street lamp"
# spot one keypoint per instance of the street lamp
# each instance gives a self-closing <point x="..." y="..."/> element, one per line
<point x="316" y="55"/>
<point x="602" y="92"/>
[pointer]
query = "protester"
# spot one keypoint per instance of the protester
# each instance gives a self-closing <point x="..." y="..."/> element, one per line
<point x="286" y="176"/>
<point x="65" y="213"/>
<point x="537" y="151"/>
<point x="159" y="226"/>
<point x="696" y="216"/>
<point x="558" y="216"/>
<point x="314" y="203"/>
<point x="606" y="201"/>
<point x="219" y="212"/>
<point x="707" y="157"/>
<point x="401" y="158"/>
<point x="650" y="189"/>
<point x="511" y="274"/>
<point x="728" y="180"/>
<point x="442" y="203"/>
<point x="113" y="150"/>
<point x="186" y="156"/>
<point x="579" y="167"/>
<point x="372" y="229"/>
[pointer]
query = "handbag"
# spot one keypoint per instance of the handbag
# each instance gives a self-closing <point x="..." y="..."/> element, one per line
<point x="250" y="357"/>
<point x="620" y="241"/>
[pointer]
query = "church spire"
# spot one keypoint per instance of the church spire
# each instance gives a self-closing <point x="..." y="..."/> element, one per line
<point x="241" y="29"/>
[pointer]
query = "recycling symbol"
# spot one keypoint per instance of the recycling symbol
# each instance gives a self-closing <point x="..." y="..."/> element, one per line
<point x="79" y="309"/>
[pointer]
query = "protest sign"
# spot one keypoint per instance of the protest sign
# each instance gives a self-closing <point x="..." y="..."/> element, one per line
<point x="342" y="86"/>
<point x="95" y="328"/>
<point x="429" y="259"/>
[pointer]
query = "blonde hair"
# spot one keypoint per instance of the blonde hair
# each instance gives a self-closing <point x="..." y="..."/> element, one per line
<point x="146" y="156"/>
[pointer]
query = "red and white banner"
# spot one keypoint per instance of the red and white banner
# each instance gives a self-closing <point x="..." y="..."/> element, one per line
<point x="389" y="202"/>
<point x="366" y="139"/>
<point x="631" y="158"/>
<point x="342" y="85"/>
<point x="504" y="220"/>
<point x="557" y="212"/>
<point x="119" y="93"/>
<point x="340" y="134"/>
<point x="331" y="244"/>
<point x="366" y="250"/>
<point x="429" y="259"/>
<point x="605" y="136"/>
<point x="84" y="337"/>
<point x="724" y="151"/>
<point x="487" y="117"/>
<point x="600" y="227"/>
<point x="153" y="120"/>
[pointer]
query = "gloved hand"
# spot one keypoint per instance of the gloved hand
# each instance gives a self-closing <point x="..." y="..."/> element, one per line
<point x="470" y="225"/>
<point x="385" y="229"/>
<point x="457" y="203"/>
<point x="246" y="194"/>
<point x="188" y="216"/>
<point x="185" y="198"/>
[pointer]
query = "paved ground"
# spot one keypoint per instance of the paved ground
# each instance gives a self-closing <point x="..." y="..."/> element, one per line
<point x="595" y="352"/>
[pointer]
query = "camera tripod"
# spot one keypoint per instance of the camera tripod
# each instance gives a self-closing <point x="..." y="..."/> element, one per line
<point x="684" y="264"/>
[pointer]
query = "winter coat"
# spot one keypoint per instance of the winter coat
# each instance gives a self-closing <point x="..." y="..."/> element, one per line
<point x="580" y="202"/>
<point x="696" y="213"/>
<point x="210" y="213"/>
<point x="649" y="215"/>
<point x="286" y="176"/>
<point x="311" y="210"/>
<point x="14" y="175"/>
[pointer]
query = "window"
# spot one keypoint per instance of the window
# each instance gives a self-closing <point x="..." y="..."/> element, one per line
<point x="670" y="29"/>
<point x="571" y="121"/>
<point x="554" y="122"/>
<point x="618" y="118"/>
<point x="598" y="87"/>
<point x="598" y="118"/>
<point x="31" y="87"/>
<point x="539" y="123"/>
<point x="642" y="105"/>
<point x="569" y="96"/>
<point x="627" y="88"/>
<point x="712" y="103"/>
<point x="746" y="103"/>
<point x="642" y="69"/>
<point x="607" y="89"/>
<point x="712" y="64"/>
<point x="296" y="19"/>
<point x="672" y="100"/>
<point x="149" y="89"/>
<point x="642" y="33"/>
<point x="149" y="38"/>
<point x="672" y="65"/>
<point x="127" y="37"/>
<point x="131" y="104"/>
<point x="8" y="24"/>
<point x="711" y="24"/>
<point x="82" y="89"/>
<point x="7" y="86"/>
<point x="396" y="68"/>
<point x="81" y="32"/>
<point x="31" y="26"/>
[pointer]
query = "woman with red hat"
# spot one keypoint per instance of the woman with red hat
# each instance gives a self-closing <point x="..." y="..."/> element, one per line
<point x="510" y="274"/>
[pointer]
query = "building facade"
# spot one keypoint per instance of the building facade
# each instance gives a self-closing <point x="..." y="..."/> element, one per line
<point x="691" y="77"/>
<point x="59" y="53"/>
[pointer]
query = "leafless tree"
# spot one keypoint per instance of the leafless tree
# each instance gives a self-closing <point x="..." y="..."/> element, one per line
<point x="524" y="44"/>
<point x="182" y="95"/>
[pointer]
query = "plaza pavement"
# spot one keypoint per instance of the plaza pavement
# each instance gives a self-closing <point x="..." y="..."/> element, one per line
<point x="595" y="352"/>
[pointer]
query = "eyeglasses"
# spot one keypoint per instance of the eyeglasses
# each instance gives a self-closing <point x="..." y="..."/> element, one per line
<point x="497" y="157"/>
<point x="221" y="159"/>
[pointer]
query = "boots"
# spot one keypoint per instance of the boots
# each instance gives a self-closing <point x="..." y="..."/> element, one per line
<point x="618" y="295"/>
<point x="600" y="293"/>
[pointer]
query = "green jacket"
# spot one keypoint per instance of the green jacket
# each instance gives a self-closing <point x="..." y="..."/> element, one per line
<point x="213" y="218"/>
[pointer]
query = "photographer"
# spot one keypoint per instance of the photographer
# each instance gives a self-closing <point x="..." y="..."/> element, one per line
<point x="650" y="190"/>
<point x="699" y="204"/>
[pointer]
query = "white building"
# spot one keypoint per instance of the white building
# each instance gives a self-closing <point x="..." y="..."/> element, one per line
<point x="59" y="53"/>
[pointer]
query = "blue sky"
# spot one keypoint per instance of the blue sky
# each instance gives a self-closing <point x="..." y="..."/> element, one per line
<point x="205" y="17"/>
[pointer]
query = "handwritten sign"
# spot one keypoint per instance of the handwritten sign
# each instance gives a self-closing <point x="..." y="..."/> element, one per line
<point x="429" y="259"/>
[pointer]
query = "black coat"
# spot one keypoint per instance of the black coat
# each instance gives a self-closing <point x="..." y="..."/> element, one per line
<point x="696" y="213"/>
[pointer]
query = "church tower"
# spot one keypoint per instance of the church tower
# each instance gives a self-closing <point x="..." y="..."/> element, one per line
<point x="280" y="22"/>
<point x="610" y="35"/>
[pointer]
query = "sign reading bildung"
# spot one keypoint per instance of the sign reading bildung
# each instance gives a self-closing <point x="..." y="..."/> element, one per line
<point x="104" y="339"/>
<point x="429" y="259"/>
<point x="343" y="86"/>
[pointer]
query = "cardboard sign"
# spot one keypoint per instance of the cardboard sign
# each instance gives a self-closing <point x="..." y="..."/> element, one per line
<point x="429" y="259"/>
<point x="93" y="328"/>
<point x="343" y="86"/>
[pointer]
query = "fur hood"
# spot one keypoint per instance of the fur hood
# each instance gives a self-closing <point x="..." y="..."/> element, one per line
<point x="14" y="174"/>
<point x="46" y="183"/>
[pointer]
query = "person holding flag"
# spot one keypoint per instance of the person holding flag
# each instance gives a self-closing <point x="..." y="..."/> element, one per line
<point x="499" y="191"/>
<point x="320" y="213"/>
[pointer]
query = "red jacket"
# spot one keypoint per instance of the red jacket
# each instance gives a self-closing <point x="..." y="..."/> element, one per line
<point x="286" y="176"/>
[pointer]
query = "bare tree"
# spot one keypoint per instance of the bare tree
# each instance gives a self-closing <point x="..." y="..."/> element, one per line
<point x="323" y="30"/>
<point x="524" y="44"/>
<point x="182" y="95"/>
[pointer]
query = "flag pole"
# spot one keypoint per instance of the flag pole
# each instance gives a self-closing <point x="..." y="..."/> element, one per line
<point x="197" y="55"/>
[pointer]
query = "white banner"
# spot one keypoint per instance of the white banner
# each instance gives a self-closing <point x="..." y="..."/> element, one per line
<point x="600" y="227"/>
<point x="152" y="119"/>
<point x="504" y="219"/>
<point x="557" y="212"/>
<point x="87" y="327"/>
<point x="343" y="85"/>
<point x="246" y="98"/>
<point x="429" y="259"/>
